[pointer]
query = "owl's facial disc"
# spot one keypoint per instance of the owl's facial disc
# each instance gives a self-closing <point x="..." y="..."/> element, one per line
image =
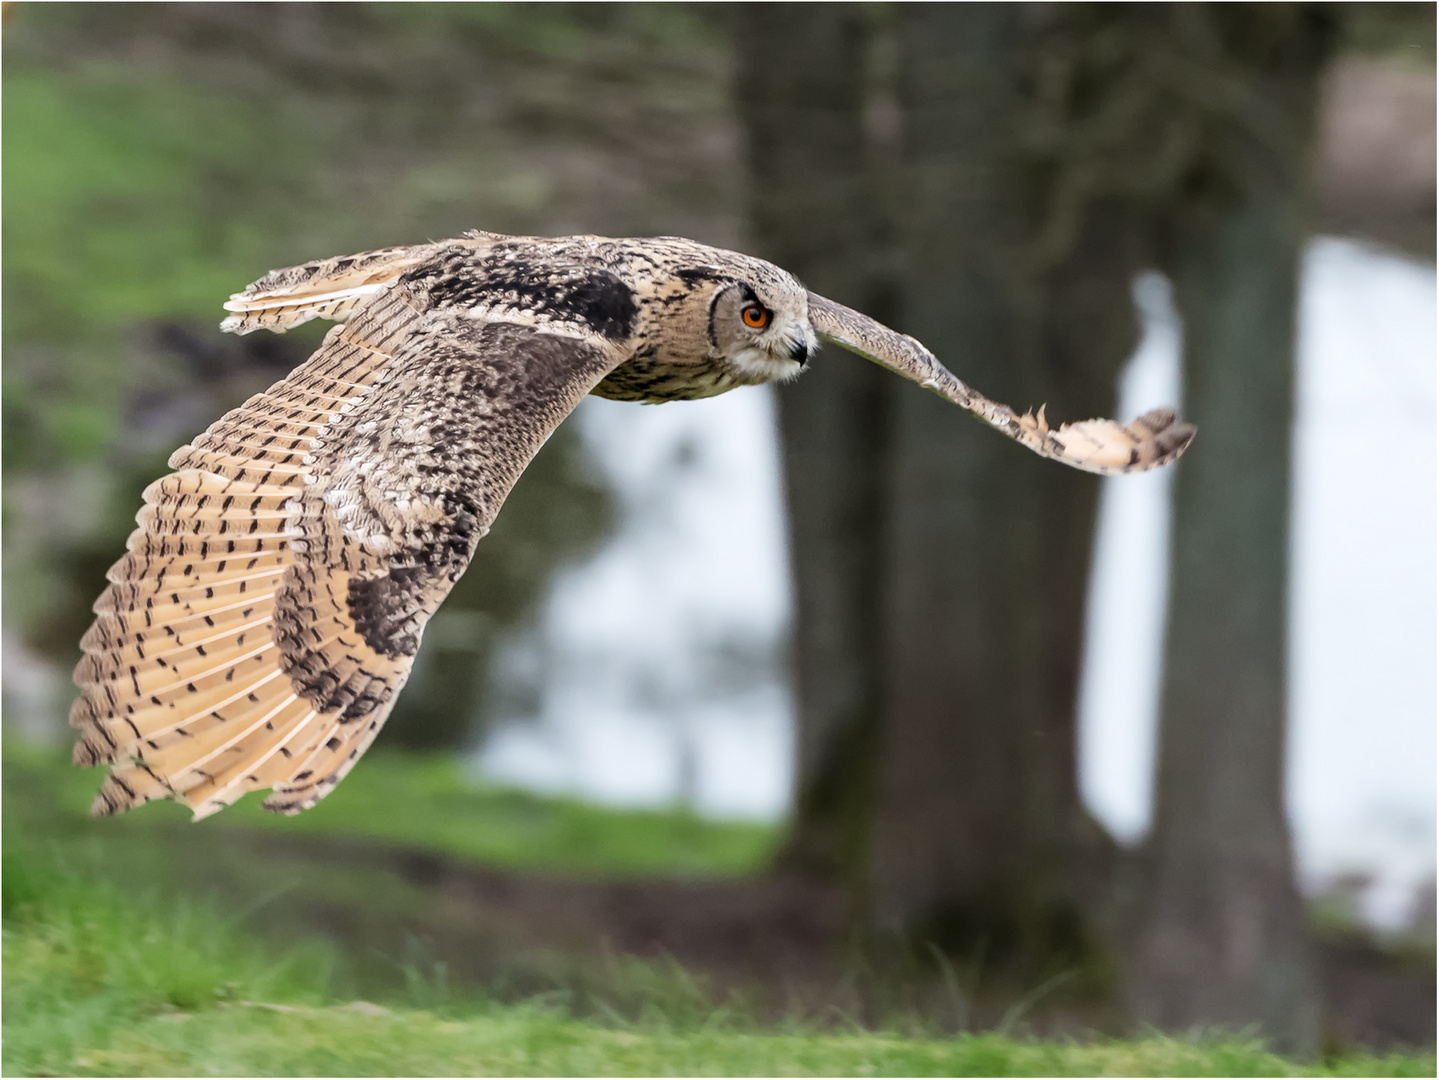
<point x="764" y="335"/>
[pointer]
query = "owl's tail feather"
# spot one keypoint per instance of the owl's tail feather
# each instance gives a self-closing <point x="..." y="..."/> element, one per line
<point x="1098" y="446"/>
<point x="327" y="289"/>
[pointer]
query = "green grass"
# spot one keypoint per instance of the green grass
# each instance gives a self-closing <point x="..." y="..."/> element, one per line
<point x="83" y="962"/>
<point x="340" y="1041"/>
<point x="326" y="875"/>
<point x="104" y="976"/>
<point x="423" y="802"/>
<point x="97" y="983"/>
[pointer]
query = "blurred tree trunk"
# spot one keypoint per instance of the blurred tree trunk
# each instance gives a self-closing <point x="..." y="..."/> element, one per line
<point x="1223" y="940"/>
<point x="940" y="571"/>
<point x="1049" y="153"/>
<point x="981" y="842"/>
<point x="802" y="92"/>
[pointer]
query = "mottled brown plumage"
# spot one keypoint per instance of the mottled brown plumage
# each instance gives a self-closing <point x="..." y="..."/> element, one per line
<point x="272" y="600"/>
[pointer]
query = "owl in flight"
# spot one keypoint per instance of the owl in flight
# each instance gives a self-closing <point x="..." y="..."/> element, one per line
<point x="271" y="602"/>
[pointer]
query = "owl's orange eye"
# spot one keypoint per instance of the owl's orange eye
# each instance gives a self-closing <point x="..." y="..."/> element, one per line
<point x="755" y="315"/>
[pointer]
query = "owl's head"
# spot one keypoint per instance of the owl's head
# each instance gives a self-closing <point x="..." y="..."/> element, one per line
<point x="760" y="327"/>
<point x="747" y="314"/>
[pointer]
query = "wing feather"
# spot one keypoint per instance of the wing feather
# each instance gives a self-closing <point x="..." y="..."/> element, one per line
<point x="1099" y="446"/>
<point x="327" y="289"/>
<point x="269" y="605"/>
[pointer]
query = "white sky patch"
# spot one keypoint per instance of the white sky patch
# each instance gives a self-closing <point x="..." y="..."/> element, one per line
<point x="1361" y="784"/>
<point x="1128" y="588"/>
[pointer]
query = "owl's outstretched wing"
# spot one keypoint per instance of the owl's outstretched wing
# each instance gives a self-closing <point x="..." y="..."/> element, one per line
<point x="272" y="599"/>
<point x="1098" y="446"/>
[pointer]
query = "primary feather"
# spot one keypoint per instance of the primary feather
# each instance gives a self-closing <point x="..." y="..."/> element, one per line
<point x="270" y="604"/>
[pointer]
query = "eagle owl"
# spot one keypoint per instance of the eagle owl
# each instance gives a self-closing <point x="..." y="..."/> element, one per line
<point x="270" y="604"/>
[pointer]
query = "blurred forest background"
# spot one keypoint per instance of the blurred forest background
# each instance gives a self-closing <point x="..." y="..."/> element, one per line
<point x="990" y="178"/>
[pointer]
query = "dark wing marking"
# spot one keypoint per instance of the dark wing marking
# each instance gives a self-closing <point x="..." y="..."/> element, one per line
<point x="272" y="600"/>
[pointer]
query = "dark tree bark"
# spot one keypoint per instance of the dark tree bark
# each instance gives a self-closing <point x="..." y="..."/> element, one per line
<point x="802" y="93"/>
<point x="1049" y="153"/>
<point x="940" y="572"/>
<point x="1223" y="940"/>
<point x="981" y="840"/>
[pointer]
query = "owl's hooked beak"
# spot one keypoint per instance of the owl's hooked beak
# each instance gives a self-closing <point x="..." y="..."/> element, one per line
<point x="799" y="351"/>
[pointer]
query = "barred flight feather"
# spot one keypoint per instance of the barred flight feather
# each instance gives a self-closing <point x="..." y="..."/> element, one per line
<point x="271" y="601"/>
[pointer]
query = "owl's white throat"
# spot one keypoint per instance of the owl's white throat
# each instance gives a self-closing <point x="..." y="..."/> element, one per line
<point x="762" y="366"/>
